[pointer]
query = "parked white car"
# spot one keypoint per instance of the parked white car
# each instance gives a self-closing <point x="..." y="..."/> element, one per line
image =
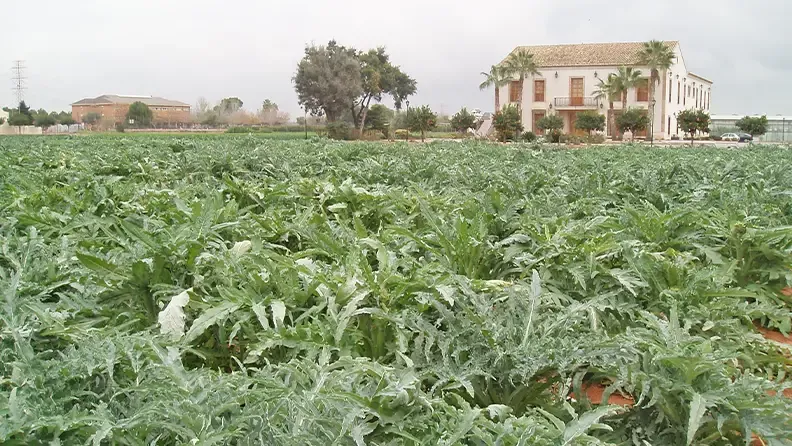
<point x="730" y="137"/>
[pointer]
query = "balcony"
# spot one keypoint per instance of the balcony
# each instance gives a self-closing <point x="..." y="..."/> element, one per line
<point x="576" y="102"/>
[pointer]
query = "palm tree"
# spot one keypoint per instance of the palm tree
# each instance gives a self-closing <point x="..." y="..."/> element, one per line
<point x="495" y="78"/>
<point x="658" y="57"/>
<point x="521" y="64"/>
<point x="624" y="80"/>
<point x="606" y="89"/>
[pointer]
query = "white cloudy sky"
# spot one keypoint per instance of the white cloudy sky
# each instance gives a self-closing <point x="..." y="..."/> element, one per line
<point x="184" y="49"/>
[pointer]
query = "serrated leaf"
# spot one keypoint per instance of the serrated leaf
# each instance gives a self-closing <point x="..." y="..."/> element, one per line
<point x="587" y="421"/>
<point x="209" y="318"/>
<point x="98" y="264"/>
<point x="698" y="407"/>
<point x="278" y="313"/>
<point x="261" y="314"/>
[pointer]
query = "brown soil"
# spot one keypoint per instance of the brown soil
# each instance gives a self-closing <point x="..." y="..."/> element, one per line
<point x="595" y="393"/>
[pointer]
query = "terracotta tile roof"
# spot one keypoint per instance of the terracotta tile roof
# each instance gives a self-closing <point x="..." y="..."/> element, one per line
<point x="118" y="99"/>
<point x="587" y="54"/>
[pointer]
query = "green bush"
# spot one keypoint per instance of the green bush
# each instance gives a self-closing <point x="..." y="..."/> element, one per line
<point x="595" y="139"/>
<point x="120" y="127"/>
<point x="507" y="123"/>
<point x="338" y="130"/>
<point x="529" y="136"/>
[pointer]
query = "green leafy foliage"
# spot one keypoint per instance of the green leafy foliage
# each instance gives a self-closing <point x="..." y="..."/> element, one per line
<point x="92" y="118"/>
<point x="692" y="121"/>
<point x="552" y="125"/>
<point x="508" y="123"/>
<point x="632" y="120"/>
<point x="231" y="289"/>
<point x="755" y="126"/>
<point x="379" y="118"/>
<point x="590" y="121"/>
<point x="421" y="119"/>
<point x="462" y="120"/>
<point x="139" y="115"/>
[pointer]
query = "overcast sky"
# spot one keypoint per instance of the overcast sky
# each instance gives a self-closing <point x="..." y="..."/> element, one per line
<point x="185" y="49"/>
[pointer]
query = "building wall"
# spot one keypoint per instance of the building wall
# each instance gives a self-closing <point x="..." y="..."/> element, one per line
<point x="24" y="130"/>
<point x="116" y="113"/>
<point x="676" y="79"/>
<point x="559" y="87"/>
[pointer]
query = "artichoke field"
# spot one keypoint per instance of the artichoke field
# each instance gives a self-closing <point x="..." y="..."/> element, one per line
<point x="234" y="290"/>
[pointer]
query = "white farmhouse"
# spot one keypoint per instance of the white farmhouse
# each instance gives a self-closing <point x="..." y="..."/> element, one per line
<point x="569" y="75"/>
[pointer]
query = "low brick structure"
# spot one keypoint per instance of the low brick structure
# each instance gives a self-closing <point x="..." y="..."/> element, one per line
<point x="113" y="109"/>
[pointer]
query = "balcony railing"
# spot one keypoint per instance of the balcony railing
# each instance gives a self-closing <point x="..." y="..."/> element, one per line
<point x="576" y="101"/>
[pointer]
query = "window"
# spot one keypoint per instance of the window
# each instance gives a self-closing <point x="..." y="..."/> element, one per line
<point x="537" y="115"/>
<point x="669" y="124"/>
<point x="515" y="91"/>
<point x="643" y="91"/>
<point x="679" y="91"/>
<point x="670" y="89"/>
<point x="539" y="90"/>
<point x="684" y="98"/>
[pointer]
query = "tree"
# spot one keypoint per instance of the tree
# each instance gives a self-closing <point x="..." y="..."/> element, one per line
<point x="229" y="106"/>
<point x="268" y="113"/>
<point x="625" y="79"/>
<point x="378" y="118"/>
<point x="328" y="80"/>
<point x="2" y="121"/>
<point x="657" y="56"/>
<point x="20" y="119"/>
<point x="24" y="109"/>
<point x="462" y="120"/>
<point x="44" y="120"/>
<point x="606" y="89"/>
<point x="521" y="64"/>
<point x="421" y="119"/>
<point x="590" y="121"/>
<point x="91" y="118"/>
<point x="65" y="118"/>
<point x="551" y="124"/>
<point x="139" y="115"/>
<point x="633" y="120"/>
<point x="507" y="123"/>
<point x="755" y="126"/>
<point x="379" y="77"/>
<point x="210" y="119"/>
<point x="495" y="78"/>
<point x="692" y="121"/>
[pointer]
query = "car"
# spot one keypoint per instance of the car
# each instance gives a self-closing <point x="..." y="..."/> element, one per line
<point x="730" y="137"/>
<point x="744" y="137"/>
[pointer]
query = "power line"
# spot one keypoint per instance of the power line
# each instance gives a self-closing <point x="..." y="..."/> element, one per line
<point x="19" y="80"/>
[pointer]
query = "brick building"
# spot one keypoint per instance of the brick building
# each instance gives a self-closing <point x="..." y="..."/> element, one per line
<point x="113" y="109"/>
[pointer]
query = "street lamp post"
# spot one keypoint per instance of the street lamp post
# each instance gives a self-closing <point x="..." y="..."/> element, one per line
<point x="651" y="136"/>
<point x="305" y="121"/>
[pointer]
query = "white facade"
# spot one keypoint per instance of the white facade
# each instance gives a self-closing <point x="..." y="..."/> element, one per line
<point x="677" y="90"/>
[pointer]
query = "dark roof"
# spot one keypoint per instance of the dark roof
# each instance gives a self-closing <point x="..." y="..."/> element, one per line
<point x="587" y="54"/>
<point x="120" y="99"/>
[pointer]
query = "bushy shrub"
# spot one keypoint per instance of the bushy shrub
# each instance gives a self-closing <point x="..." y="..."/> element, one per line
<point x="507" y="123"/>
<point x="463" y="120"/>
<point x="119" y="127"/>
<point x="597" y="138"/>
<point x="529" y="136"/>
<point x="339" y="130"/>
